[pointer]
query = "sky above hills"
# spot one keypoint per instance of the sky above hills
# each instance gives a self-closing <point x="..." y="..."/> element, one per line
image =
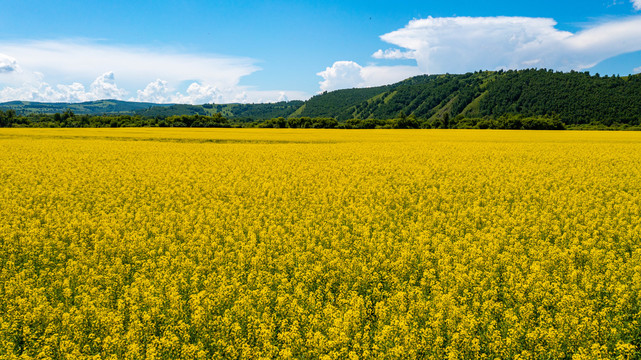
<point x="264" y="51"/>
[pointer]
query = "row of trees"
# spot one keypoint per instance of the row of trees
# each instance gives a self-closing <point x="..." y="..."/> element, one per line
<point x="69" y="119"/>
<point x="7" y="118"/>
<point x="401" y="121"/>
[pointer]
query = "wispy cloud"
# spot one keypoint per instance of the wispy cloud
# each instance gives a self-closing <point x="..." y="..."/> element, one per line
<point x="636" y="4"/>
<point x="85" y="70"/>
<point x="68" y="61"/>
<point x="462" y="44"/>
<point x="394" y="54"/>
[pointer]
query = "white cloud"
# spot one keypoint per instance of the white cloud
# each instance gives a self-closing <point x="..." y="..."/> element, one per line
<point x="636" y="4"/>
<point x="383" y="75"/>
<point x="200" y="94"/>
<point x="343" y="74"/>
<point x="104" y="87"/>
<point x="462" y="44"/>
<point x="27" y="69"/>
<point x="7" y="64"/>
<point x="348" y="74"/>
<point x="156" y="92"/>
<point x="66" y="93"/>
<point x="68" y="61"/>
<point x="637" y="70"/>
<point x="35" y="89"/>
<point x="159" y="92"/>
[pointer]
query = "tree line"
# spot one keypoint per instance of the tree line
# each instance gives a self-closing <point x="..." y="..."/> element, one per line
<point x="68" y="119"/>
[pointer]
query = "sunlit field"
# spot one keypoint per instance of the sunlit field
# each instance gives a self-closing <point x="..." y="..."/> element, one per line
<point x="330" y="244"/>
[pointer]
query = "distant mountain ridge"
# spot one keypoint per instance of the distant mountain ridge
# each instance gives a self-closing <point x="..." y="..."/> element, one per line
<point x="98" y="107"/>
<point x="574" y="97"/>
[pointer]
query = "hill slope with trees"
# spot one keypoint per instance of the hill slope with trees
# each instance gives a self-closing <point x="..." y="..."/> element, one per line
<point x="574" y="97"/>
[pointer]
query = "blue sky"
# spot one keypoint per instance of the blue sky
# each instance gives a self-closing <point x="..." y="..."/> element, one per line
<point x="255" y="51"/>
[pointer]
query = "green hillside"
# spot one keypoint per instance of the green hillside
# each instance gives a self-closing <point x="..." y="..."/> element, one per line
<point x="340" y="104"/>
<point x="421" y="96"/>
<point x="575" y="97"/>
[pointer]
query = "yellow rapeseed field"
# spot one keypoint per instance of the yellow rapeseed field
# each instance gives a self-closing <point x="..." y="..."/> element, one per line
<point x="319" y="244"/>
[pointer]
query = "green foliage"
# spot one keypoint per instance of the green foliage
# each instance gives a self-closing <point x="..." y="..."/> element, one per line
<point x="577" y="98"/>
<point x="511" y="122"/>
<point x="173" y="110"/>
<point x="302" y="123"/>
<point x="402" y="121"/>
<point x="263" y="111"/>
<point x="341" y="104"/>
<point x="71" y="120"/>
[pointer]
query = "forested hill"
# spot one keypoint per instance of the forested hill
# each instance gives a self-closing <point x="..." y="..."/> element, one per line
<point x="575" y="97"/>
<point x="448" y="100"/>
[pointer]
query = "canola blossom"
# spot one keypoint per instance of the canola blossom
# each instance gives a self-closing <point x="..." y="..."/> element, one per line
<point x="319" y="244"/>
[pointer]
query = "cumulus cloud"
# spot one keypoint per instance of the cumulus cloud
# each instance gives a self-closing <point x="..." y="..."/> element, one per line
<point x="462" y="44"/>
<point x="64" y="93"/>
<point x="160" y="92"/>
<point x="35" y="89"/>
<point x="104" y="87"/>
<point x="349" y="74"/>
<point x="343" y="74"/>
<point x="156" y="92"/>
<point x="636" y="4"/>
<point x="200" y="94"/>
<point x="7" y="64"/>
<point x="70" y="71"/>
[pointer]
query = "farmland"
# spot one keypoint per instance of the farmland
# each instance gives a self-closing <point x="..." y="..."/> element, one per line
<point x="292" y="243"/>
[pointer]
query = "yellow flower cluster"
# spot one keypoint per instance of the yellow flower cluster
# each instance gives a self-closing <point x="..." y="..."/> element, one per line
<point x="319" y="244"/>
